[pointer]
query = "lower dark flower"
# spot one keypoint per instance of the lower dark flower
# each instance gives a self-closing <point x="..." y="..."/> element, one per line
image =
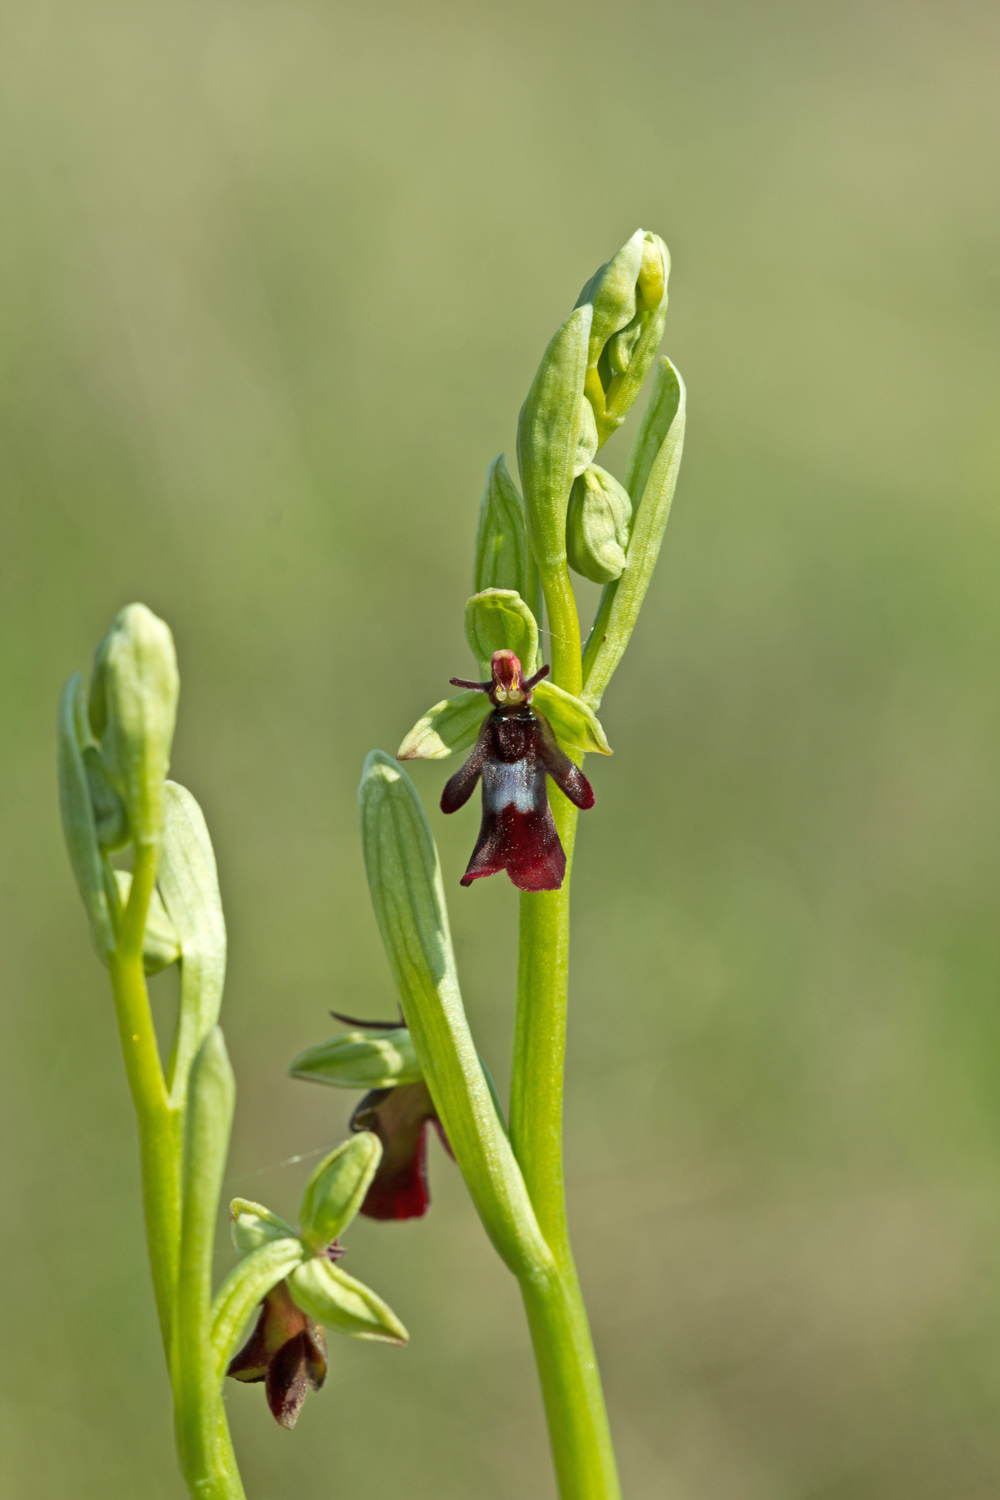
<point x="287" y="1351"/>
<point x="399" y="1117"/>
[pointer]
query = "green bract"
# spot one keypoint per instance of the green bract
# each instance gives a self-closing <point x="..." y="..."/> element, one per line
<point x="499" y="620"/>
<point x="189" y="885"/>
<point x="654" y="466"/>
<point x="361" y="1060"/>
<point x="597" y="525"/>
<point x="501" y="558"/>
<point x="133" y="705"/>
<point x="556" y="438"/>
<point x="90" y="866"/>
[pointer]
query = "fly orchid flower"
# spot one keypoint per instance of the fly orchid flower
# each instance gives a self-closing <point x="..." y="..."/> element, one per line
<point x="397" y="1107"/>
<point x="514" y="753"/>
<point x="399" y="1117"/>
<point x="287" y="1351"/>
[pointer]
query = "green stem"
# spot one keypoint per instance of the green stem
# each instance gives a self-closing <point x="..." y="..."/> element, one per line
<point x="564" y="629"/>
<point x="161" y="1139"/>
<point x="160" y="1125"/>
<point x="564" y="1352"/>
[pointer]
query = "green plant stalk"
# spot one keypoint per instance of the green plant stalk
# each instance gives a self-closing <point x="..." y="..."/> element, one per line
<point x="160" y="1123"/>
<point x="564" y="1351"/>
<point x="161" y="1132"/>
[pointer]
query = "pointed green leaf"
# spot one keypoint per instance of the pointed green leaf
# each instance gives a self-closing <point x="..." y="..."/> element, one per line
<point x="499" y="620"/>
<point x="453" y="724"/>
<point x="577" y="727"/>
<point x="336" y="1189"/>
<point x="326" y="1293"/>
<point x="361" y="1060"/>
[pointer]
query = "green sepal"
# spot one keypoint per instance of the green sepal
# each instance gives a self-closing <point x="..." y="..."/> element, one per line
<point x="247" y="1284"/>
<point x="90" y="866"/>
<point x="556" y="438"/>
<point x="662" y="436"/>
<point x="499" y="620"/>
<point x="336" y="1189"/>
<point x="361" y="1060"/>
<point x="453" y="724"/>
<point x="160" y="944"/>
<point x="326" y="1293"/>
<point x="576" y="726"/>
<point x="254" y="1225"/>
<point x="597" y="525"/>
<point x="133" y="707"/>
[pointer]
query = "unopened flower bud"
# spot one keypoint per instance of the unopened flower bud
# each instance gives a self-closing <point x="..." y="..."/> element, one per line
<point x="361" y="1060"/>
<point x="597" y="525"/>
<point x="629" y="299"/>
<point x="337" y="1188"/>
<point x="133" y="705"/>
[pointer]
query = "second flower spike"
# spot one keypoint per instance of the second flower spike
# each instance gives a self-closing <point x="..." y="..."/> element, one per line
<point x="514" y="753"/>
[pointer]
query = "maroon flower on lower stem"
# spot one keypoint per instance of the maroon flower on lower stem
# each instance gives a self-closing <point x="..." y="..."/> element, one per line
<point x="287" y="1351"/>
<point x="399" y="1117"/>
<point x="514" y="753"/>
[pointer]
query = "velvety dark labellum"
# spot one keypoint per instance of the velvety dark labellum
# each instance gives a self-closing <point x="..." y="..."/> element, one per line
<point x="287" y="1351"/>
<point x="514" y="753"/>
<point x="399" y="1117"/>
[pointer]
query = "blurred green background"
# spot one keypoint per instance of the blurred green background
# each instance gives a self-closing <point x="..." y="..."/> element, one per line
<point x="274" y="279"/>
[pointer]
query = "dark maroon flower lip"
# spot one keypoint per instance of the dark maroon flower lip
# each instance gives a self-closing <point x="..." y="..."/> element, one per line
<point x="399" y="1116"/>
<point x="287" y="1351"/>
<point x="515" y="752"/>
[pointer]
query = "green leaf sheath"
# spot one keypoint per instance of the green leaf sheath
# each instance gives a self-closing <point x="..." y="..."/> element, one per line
<point x="404" y="878"/>
<point x="202" y="1435"/>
